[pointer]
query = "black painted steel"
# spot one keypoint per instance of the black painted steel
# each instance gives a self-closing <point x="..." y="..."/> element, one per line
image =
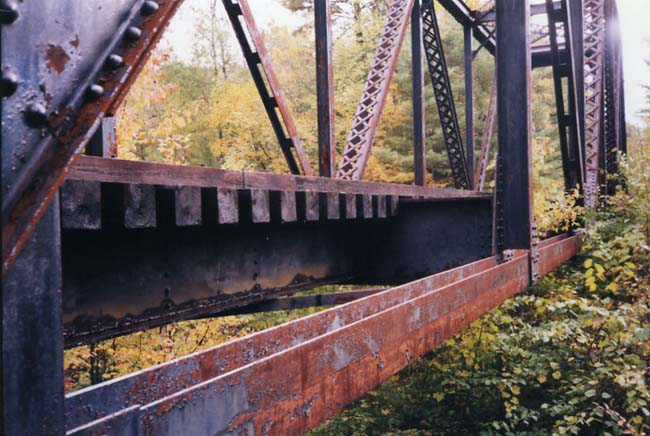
<point x="168" y="274"/>
<point x="325" y="88"/>
<point x="32" y="336"/>
<point x="419" y="138"/>
<point x="514" y="185"/>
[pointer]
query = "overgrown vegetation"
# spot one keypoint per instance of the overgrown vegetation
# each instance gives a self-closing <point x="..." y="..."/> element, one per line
<point x="569" y="356"/>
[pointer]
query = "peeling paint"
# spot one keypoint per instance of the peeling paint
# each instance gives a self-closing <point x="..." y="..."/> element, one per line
<point x="56" y="58"/>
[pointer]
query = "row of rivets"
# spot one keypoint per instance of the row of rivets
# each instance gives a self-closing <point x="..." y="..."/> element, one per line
<point x="35" y="114"/>
<point x="114" y="61"/>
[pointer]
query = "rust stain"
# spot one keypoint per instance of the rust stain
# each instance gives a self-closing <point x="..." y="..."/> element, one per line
<point x="56" y="58"/>
<point x="75" y="41"/>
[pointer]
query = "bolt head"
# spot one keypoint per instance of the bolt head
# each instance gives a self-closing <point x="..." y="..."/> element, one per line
<point x="132" y="34"/>
<point x="8" y="11"/>
<point x="114" y="62"/>
<point x="36" y="115"/>
<point x="149" y="7"/>
<point x="9" y="82"/>
<point x="95" y="92"/>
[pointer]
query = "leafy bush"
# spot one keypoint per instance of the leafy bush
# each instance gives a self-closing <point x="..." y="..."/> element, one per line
<point x="569" y="357"/>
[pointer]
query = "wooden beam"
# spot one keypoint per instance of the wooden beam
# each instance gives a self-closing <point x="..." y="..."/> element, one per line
<point x="137" y="172"/>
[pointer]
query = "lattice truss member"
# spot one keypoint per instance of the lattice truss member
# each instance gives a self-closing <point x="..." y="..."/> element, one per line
<point x="594" y="34"/>
<point x="444" y="96"/>
<point x="366" y="119"/>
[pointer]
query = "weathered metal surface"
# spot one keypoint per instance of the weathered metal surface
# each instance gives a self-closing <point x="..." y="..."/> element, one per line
<point x="444" y="97"/>
<point x="32" y="337"/>
<point x="557" y="251"/>
<point x="104" y="141"/>
<point x="288" y="379"/>
<point x="325" y="88"/>
<point x="366" y="119"/>
<point x="52" y="115"/>
<point x="157" y="382"/>
<point x="261" y="69"/>
<point x="165" y="274"/>
<point x="146" y="244"/>
<point x="594" y="36"/>
<point x="292" y="390"/>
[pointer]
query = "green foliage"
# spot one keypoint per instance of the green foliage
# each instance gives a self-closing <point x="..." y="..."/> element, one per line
<point x="88" y="365"/>
<point x="570" y="357"/>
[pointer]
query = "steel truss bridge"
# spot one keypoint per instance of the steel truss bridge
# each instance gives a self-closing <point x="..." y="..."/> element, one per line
<point x="94" y="246"/>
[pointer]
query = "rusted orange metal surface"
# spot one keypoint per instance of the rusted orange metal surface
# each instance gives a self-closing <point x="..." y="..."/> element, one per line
<point x="288" y="379"/>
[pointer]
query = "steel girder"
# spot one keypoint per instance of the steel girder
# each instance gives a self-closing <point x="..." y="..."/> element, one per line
<point x="444" y="97"/>
<point x="364" y="126"/>
<point x="201" y="240"/>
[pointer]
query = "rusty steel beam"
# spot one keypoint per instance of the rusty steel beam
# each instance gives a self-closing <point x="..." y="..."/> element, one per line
<point x="62" y="132"/>
<point x="469" y="100"/>
<point x="366" y="120"/>
<point x="154" y="383"/>
<point x="260" y="67"/>
<point x="296" y="375"/>
<point x="556" y="251"/>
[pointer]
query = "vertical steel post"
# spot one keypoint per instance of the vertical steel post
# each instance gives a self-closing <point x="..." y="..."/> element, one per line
<point x="325" y="88"/>
<point x="469" y="99"/>
<point x="577" y="46"/>
<point x="32" y="335"/>
<point x="419" y="139"/>
<point x="514" y="193"/>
